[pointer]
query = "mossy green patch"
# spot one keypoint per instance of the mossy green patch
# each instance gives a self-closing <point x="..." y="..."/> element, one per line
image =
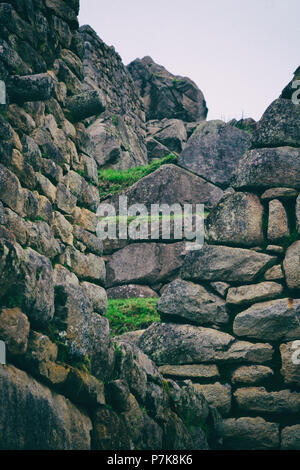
<point x="131" y="314"/>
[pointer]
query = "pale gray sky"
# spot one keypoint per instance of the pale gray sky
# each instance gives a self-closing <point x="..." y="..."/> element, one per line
<point x="241" y="53"/>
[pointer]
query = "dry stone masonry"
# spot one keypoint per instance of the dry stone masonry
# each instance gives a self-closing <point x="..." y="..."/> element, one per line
<point x="72" y="108"/>
<point x="221" y="368"/>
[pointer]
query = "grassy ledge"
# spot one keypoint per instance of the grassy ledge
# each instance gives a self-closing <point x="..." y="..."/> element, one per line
<point x="113" y="181"/>
<point x="126" y="315"/>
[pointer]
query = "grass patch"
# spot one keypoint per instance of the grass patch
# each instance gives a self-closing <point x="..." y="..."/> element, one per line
<point x="131" y="314"/>
<point x="113" y="181"/>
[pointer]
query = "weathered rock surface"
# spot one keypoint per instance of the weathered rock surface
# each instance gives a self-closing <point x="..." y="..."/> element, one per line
<point x="14" y="330"/>
<point x="35" y="423"/>
<point x="278" y="226"/>
<point x="291" y="266"/>
<point x="253" y="293"/>
<point x="268" y="167"/>
<point x="192" y="371"/>
<point x="217" y="395"/>
<point x="145" y="263"/>
<point x="250" y="434"/>
<point x="172" y="185"/>
<point x="131" y="291"/>
<point x="257" y="399"/>
<point x="169" y="343"/>
<point x="290" y="361"/>
<point x="290" y="438"/>
<point x="278" y="126"/>
<point x="222" y="263"/>
<point x="166" y="95"/>
<point x="190" y="302"/>
<point x="214" y="150"/>
<point x="272" y="321"/>
<point x="251" y="375"/>
<point x="236" y="220"/>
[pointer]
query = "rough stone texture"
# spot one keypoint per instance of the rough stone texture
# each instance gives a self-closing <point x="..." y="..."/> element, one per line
<point x="222" y="263"/>
<point x="274" y="274"/>
<point x="250" y="434"/>
<point x="169" y="343"/>
<point x="214" y="150"/>
<point x="172" y="185"/>
<point x="166" y="95"/>
<point x="97" y="296"/>
<point x="253" y="293"/>
<point x="279" y="193"/>
<point x="192" y="371"/>
<point x="118" y="135"/>
<point x="169" y="134"/>
<point x="258" y="400"/>
<point x="217" y="395"/>
<point x="291" y="266"/>
<point x="298" y="214"/>
<point x="191" y="303"/>
<point x="272" y="321"/>
<point x="278" y="227"/>
<point x="86" y="267"/>
<point x="290" y="361"/>
<point x="236" y="220"/>
<point x="268" y="167"/>
<point x="14" y="330"/>
<point x="145" y="263"/>
<point x="290" y="438"/>
<point x="251" y="375"/>
<point x="35" y="423"/>
<point x="131" y="291"/>
<point x="278" y="126"/>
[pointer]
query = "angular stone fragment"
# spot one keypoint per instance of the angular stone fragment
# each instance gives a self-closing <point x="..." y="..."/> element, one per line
<point x="84" y="105"/>
<point x="174" y="344"/>
<point x="191" y="371"/>
<point x="291" y="266"/>
<point x="145" y="263"/>
<point x="131" y="291"/>
<point x="279" y="193"/>
<point x="217" y="395"/>
<point x="290" y="360"/>
<point x="274" y="274"/>
<point x="268" y="167"/>
<point x="214" y="150"/>
<point x="290" y="437"/>
<point x="278" y="126"/>
<point x="14" y="330"/>
<point x="251" y="375"/>
<point x="86" y="267"/>
<point x="72" y="427"/>
<point x="258" y="400"/>
<point x="253" y="293"/>
<point x="236" y="220"/>
<point x="278" y="227"/>
<point x="30" y="88"/>
<point x="192" y="303"/>
<point x="250" y="434"/>
<point x="223" y="263"/>
<point x="97" y="296"/>
<point x="270" y="321"/>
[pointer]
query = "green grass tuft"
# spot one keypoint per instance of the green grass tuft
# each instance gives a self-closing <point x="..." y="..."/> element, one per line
<point x="131" y="314"/>
<point x="113" y="181"/>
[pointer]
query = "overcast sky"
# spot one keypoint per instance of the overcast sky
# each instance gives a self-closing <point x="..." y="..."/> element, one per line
<point x="241" y="53"/>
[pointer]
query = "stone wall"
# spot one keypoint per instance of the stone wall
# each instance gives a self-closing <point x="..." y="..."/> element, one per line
<point x="67" y="384"/>
<point x="231" y="319"/>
